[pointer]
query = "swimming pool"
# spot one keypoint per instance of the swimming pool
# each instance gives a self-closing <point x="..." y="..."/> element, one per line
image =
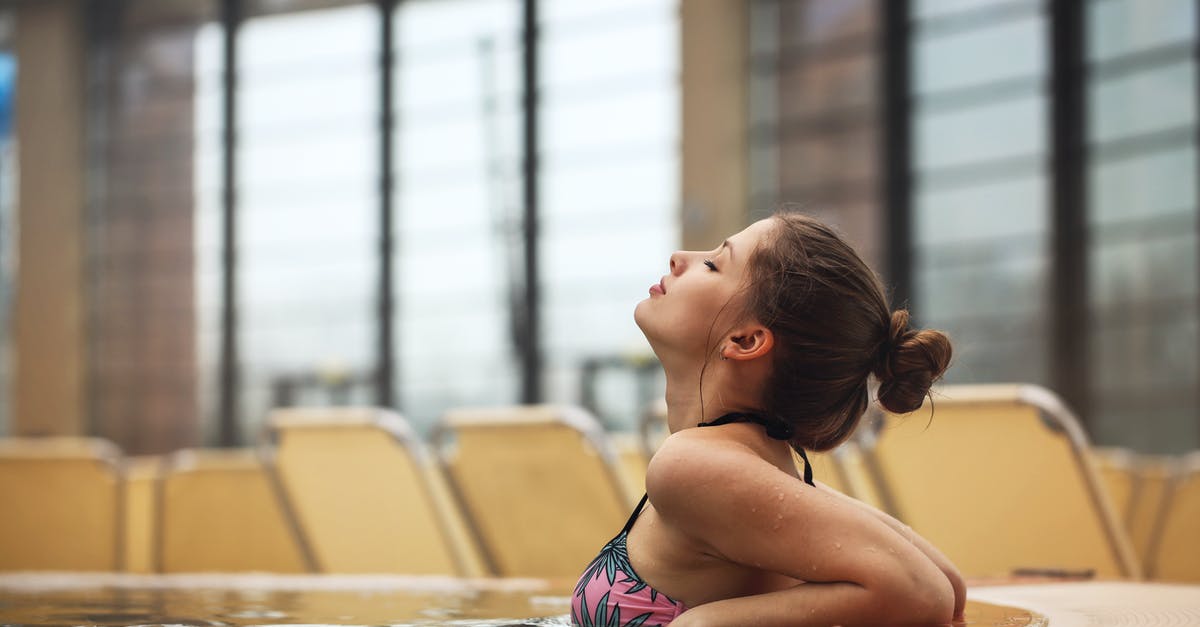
<point x="219" y="600"/>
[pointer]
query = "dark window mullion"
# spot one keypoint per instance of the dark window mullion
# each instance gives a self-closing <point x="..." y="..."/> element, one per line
<point x="897" y="148"/>
<point x="229" y="387"/>
<point x="1068" y="149"/>
<point x="385" y="373"/>
<point x="527" y="327"/>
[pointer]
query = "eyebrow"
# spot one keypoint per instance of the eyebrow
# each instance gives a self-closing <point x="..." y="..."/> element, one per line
<point x="726" y="244"/>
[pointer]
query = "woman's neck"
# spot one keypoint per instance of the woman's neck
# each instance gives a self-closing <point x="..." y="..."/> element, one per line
<point x="689" y="402"/>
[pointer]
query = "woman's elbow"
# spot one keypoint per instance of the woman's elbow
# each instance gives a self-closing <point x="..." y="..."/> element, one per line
<point x="914" y="595"/>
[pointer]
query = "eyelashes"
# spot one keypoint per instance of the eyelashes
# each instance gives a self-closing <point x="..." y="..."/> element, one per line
<point x="711" y="266"/>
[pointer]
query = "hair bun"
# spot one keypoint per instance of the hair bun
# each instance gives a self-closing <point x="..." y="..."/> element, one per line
<point x="908" y="363"/>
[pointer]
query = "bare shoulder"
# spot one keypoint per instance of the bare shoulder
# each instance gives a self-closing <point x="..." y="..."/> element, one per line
<point x="703" y="477"/>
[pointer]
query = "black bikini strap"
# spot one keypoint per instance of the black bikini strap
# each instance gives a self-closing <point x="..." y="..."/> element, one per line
<point x="807" y="467"/>
<point x="776" y="430"/>
<point x="636" y="512"/>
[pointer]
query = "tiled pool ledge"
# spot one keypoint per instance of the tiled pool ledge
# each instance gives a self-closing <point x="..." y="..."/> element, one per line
<point x="1101" y="603"/>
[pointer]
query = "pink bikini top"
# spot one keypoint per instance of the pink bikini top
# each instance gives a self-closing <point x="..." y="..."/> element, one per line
<point x="610" y="593"/>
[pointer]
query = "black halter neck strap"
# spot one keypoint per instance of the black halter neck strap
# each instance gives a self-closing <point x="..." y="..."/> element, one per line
<point x="776" y="430"/>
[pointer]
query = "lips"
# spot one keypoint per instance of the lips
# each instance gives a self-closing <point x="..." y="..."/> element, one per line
<point x="658" y="288"/>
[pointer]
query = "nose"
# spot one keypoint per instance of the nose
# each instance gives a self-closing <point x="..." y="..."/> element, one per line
<point x="678" y="262"/>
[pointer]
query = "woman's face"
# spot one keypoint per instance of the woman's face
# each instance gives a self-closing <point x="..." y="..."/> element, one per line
<point x="681" y="311"/>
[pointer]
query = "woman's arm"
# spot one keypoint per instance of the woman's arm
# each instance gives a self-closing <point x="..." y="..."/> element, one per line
<point x="746" y="511"/>
<point x="941" y="561"/>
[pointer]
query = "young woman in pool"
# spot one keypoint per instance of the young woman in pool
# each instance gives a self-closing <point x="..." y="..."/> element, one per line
<point x="768" y="341"/>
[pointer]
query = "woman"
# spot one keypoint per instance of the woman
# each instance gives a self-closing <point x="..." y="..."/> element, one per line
<point x="768" y="342"/>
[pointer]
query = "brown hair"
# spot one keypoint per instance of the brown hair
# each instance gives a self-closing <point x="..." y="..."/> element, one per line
<point x="833" y="327"/>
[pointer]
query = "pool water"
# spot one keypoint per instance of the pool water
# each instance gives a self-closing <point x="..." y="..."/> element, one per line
<point x="221" y="600"/>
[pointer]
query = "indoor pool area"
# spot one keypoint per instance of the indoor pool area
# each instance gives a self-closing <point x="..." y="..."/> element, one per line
<point x="608" y="313"/>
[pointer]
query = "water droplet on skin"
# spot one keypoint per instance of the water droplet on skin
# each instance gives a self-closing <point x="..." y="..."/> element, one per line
<point x="775" y="527"/>
<point x="753" y="510"/>
<point x="779" y="497"/>
<point x="837" y="545"/>
<point x="891" y="550"/>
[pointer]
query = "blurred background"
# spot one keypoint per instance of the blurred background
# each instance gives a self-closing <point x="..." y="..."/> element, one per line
<point x="210" y="208"/>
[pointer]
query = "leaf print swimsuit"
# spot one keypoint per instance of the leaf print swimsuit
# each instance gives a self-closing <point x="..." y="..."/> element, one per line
<point x="611" y="594"/>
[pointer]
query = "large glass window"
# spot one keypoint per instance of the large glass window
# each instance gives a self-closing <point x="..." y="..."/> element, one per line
<point x="307" y="207"/>
<point x="458" y="206"/>
<point x="609" y="187"/>
<point x="980" y="218"/>
<point x="1141" y="225"/>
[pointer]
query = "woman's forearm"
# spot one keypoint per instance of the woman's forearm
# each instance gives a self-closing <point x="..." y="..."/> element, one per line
<point x="824" y="604"/>
<point x="941" y="561"/>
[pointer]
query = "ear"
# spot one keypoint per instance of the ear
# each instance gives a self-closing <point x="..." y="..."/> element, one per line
<point x="750" y="342"/>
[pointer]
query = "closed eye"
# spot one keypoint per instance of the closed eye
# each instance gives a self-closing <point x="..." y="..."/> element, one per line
<point x="711" y="266"/>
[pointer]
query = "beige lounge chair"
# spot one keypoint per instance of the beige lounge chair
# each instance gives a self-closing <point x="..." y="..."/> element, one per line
<point x="652" y="427"/>
<point x="367" y="495"/>
<point x="1118" y="475"/>
<point x="141" y="475"/>
<point x="632" y="461"/>
<point x="1176" y="544"/>
<point x="1154" y="475"/>
<point x="998" y="478"/>
<point x="62" y="504"/>
<point x="220" y="510"/>
<point x="844" y="469"/>
<point x="539" y="484"/>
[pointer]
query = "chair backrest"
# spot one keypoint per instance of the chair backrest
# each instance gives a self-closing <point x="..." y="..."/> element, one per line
<point x="141" y="475"/>
<point x="220" y="510"/>
<point x="844" y="469"/>
<point x="1176" y="544"/>
<point x="652" y="427"/>
<point x="998" y="479"/>
<point x="62" y="504"/>
<point x="632" y="461"/>
<point x="1118" y="475"/>
<point x="539" y="484"/>
<point x="1154" y="474"/>
<point x="367" y="495"/>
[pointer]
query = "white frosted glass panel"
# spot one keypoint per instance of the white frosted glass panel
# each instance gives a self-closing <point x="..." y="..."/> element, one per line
<point x="994" y="210"/>
<point x="995" y="53"/>
<point x="1142" y="187"/>
<point x="440" y="28"/>
<point x="1012" y="282"/>
<point x="1120" y="27"/>
<point x="457" y="183"/>
<point x="1149" y="101"/>
<point x="997" y="353"/>
<point x="1008" y="129"/>
<point x="1140" y="272"/>
<point x="637" y="181"/>
<point x="609" y="177"/>
<point x="307" y="203"/>
<point x="638" y="48"/>
<point x="1136" y="358"/>
<point x="937" y="8"/>
<point x="463" y="81"/>
<point x="642" y="119"/>
<point x="576" y="13"/>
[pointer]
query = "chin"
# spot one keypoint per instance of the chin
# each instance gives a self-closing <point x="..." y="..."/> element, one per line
<point x="643" y="316"/>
